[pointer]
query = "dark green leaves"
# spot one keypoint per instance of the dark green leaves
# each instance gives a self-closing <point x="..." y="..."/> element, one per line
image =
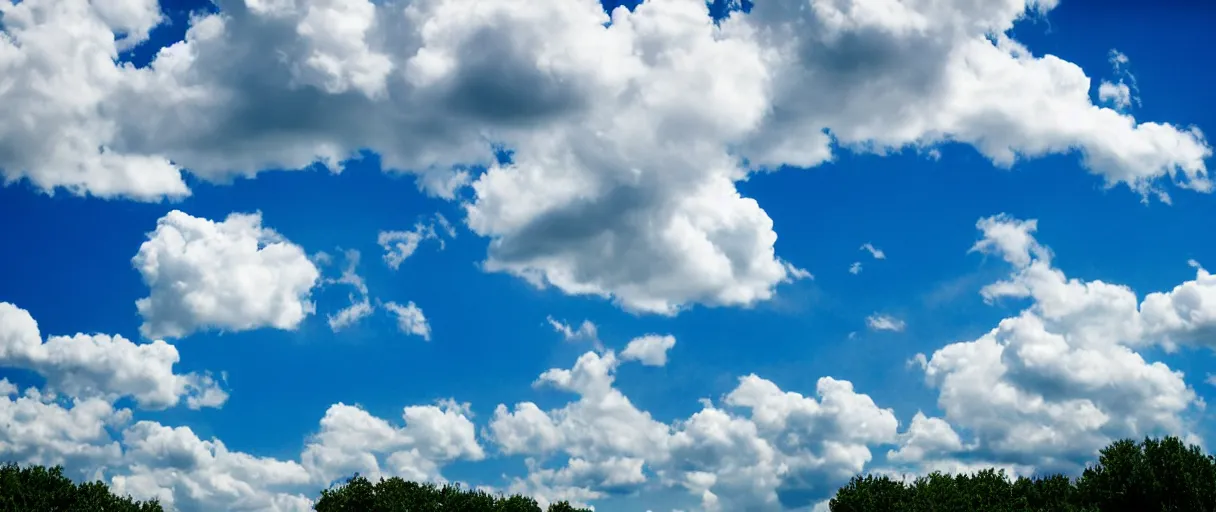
<point x="397" y="495"/>
<point x="1152" y="476"/>
<point x="48" y="490"/>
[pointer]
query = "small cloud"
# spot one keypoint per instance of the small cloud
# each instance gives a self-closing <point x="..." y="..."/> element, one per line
<point x="400" y="245"/>
<point x="855" y="268"/>
<point x="795" y="272"/>
<point x="881" y="322"/>
<point x="1117" y="94"/>
<point x="360" y="303"/>
<point x="349" y="315"/>
<point x="410" y="319"/>
<point x="874" y="251"/>
<point x="650" y="350"/>
<point x="585" y="330"/>
<point x="1122" y="93"/>
<point x="919" y="360"/>
<point x="1211" y="379"/>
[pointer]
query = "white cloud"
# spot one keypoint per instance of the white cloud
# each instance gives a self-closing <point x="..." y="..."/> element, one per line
<point x="352" y="440"/>
<point x="874" y="251"/>
<point x="586" y="331"/>
<point x="410" y="319"/>
<point x="1119" y="94"/>
<point x="884" y="322"/>
<point x="650" y="350"/>
<point x="36" y="429"/>
<point x="350" y="315"/>
<point x="102" y="366"/>
<point x="855" y="268"/>
<point x="360" y="302"/>
<point x="1061" y="379"/>
<point x="400" y="245"/>
<point x="625" y="137"/>
<point x="233" y="275"/>
<point x="187" y="473"/>
<point x="95" y="440"/>
<point x="780" y="452"/>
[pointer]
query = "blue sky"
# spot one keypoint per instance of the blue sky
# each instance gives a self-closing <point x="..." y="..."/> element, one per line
<point x="72" y="233"/>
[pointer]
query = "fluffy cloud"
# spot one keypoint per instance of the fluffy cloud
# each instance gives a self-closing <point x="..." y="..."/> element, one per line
<point x="187" y="473"/>
<point x="94" y="439"/>
<point x="400" y="245"/>
<point x="1119" y="94"/>
<point x="650" y="350"/>
<point x="410" y="319"/>
<point x="352" y="440"/>
<point x="102" y="366"/>
<point x="788" y="451"/>
<point x="1053" y="384"/>
<point x="37" y="429"/>
<point x="626" y="130"/>
<point x="233" y="275"/>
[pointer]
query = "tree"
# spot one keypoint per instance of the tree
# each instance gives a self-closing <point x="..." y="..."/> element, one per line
<point x="1151" y="476"/>
<point x="1164" y="475"/>
<point x="398" y="495"/>
<point x="38" y="488"/>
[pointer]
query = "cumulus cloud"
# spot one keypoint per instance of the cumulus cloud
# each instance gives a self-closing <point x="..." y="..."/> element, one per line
<point x="353" y="440"/>
<point x="884" y="322"/>
<point x="627" y="130"/>
<point x="94" y="439"/>
<point x="233" y="275"/>
<point x="855" y="268"/>
<point x="650" y="350"/>
<point x="410" y="319"/>
<point x="786" y="451"/>
<point x="102" y="366"/>
<point x="1051" y="385"/>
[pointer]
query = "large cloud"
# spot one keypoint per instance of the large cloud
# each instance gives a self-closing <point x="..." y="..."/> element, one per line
<point x="102" y="366"/>
<point x="233" y="275"/>
<point x="1051" y="385"/>
<point x="787" y="451"/>
<point x="626" y="136"/>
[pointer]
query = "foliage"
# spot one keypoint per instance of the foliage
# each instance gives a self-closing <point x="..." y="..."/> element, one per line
<point x="1154" y="475"/>
<point x="48" y="490"/>
<point x="397" y="495"/>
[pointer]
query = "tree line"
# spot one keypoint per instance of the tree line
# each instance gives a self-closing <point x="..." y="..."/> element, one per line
<point x="1154" y="475"/>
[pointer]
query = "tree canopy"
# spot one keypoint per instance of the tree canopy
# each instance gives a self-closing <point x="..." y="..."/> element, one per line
<point x="24" y="489"/>
<point x="358" y="494"/>
<point x="1154" y="475"/>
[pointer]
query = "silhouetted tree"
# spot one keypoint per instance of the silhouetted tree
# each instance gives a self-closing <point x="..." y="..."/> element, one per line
<point x="1151" y="476"/>
<point x="36" y="488"/>
<point x="398" y="495"/>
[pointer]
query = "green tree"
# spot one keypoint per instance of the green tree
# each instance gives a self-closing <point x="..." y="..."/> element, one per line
<point x="1151" y="476"/>
<point x="398" y="495"/>
<point x="1155" y="475"/>
<point x="24" y="489"/>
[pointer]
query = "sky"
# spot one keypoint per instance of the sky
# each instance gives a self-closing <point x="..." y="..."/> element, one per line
<point x="653" y="256"/>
